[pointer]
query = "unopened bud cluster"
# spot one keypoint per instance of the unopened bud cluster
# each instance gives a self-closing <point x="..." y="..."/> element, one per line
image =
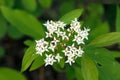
<point x="62" y="42"/>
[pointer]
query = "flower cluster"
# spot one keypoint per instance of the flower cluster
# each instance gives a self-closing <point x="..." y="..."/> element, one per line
<point x="61" y="42"/>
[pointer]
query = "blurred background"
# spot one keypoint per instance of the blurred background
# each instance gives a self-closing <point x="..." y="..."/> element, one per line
<point x="12" y="41"/>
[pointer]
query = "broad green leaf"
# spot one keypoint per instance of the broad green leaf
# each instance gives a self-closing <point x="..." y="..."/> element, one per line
<point x="14" y="33"/>
<point x="106" y="39"/>
<point x="29" y="57"/>
<point x="10" y="74"/>
<point x="96" y="9"/>
<point x="39" y="61"/>
<point x="118" y="19"/>
<point x="3" y="26"/>
<point x="30" y="5"/>
<point x="78" y="73"/>
<point x="109" y="68"/>
<point x="62" y="62"/>
<point x="94" y="15"/>
<point x="24" y="22"/>
<point x="2" y="51"/>
<point x="89" y="69"/>
<point x="101" y="29"/>
<point x="45" y="3"/>
<point x="39" y="11"/>
<point x="8" y="3"/>
<point x="28" y="42"/>
<point x="70" y="73"/>
<point x="57" y="67"/>
<point x="66" y="7"/>
<point x="2" y="2"/>
<point x="71" y="15"/>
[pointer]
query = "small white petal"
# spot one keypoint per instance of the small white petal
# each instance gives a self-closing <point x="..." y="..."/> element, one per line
<point x="58" y="57"/>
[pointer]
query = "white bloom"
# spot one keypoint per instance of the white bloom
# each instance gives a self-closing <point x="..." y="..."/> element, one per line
<point x="48" y="34"/>
<point x="45" y="48"/>
<point x="78" y="39"/>
<point x="39" y="50"/>
<point x="52" y="47"/>
<point x="41" y="46"/>
<point x="71" y="55"/>
<point x="58" y="57"/>
<point x="58" y="32"/>
<point x="64" y="36"/>
<point x="39" y="42"/>
<point x="61" y="24"/>
<point x="66" y="51"/>
<point x="70" y="60"/>
<point x="79" y="52"/>
<point x="58" y="37"/>
<point x="55" y="41"/>
<point x="75" y="25"/>
<point x="49" y="59"/>
<point x="84" y="33"/>
<point x="51" y="26"/>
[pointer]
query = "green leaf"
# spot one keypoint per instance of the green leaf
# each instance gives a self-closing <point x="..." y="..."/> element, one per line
<point x="78" y="73"/>
<point x="29" y="5"/>
<point x="10" y="74"/>
<point x="2" y="2"/>
<point x="2" y="51"/>
<point x="93" y="18"/>
<point x="71" y="15"/>
<point x="9" y="3"/>
<point x="39" y="61"/>
<point x="24" y="22"/>
<point x="105" y="60"/>
<point x="70" y="73"/>
<point x="66" y="7"/>
<point x="45" y="3"/>
<point x="89" y="69"/>
<point x="28" y="42"/>
<point x="14" y="33"/>
<point x="62" y="62"/>
<point x="3" y="26"/>
<point x="106" y="39"/>
<point x="29" y="57"/>
<point x="101" y="29"/>
<point x="118" y="19"/>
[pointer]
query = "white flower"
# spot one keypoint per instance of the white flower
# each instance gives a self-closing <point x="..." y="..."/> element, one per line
<point x="64" y="36"/>
<point x="70" y="60"/>
<point x="39" y="42"/>
<point x="51" y="26"/>
<point x="58" y="57"/>
<point x="48" y="34"/>
<point x="61" y="24"/>
<point x="41" y="46"/>
<point x="52" y="47"/>
<point x="49" y="59"/>
<point x="39" y="51"/>
<point x="71" y="55"/>
<point x="79" y="52"/>
<point x="58" y="36"/>
<point x="66" y="51"/>
<point x="55" y="41"/>
<point x="78" y="39"/>
<point x="58" y="32"/>
<point x="75" y="25"/>
<point x="84" y="33"/>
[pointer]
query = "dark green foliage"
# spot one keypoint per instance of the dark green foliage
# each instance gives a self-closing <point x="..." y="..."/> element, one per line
<point x="21" y="19"/>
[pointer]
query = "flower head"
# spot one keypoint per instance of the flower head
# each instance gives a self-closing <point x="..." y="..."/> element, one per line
<point x="49" y="59"/>
<point x="61" y="41"/>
